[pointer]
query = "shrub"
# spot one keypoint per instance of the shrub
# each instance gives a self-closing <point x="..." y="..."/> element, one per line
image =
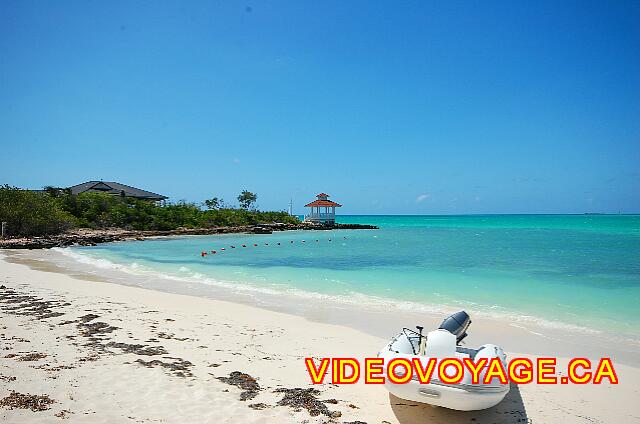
<point x="31" y="213"/>
<point x="52" y="211"/>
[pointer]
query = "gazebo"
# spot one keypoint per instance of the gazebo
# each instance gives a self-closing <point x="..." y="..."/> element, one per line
<point x="323" y="210"/>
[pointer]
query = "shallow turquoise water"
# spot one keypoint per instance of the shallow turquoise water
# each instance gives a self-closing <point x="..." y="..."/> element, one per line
<point x="558" y="270"/>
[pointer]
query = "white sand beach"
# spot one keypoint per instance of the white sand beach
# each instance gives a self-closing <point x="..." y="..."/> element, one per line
<point x="107" y="353"/>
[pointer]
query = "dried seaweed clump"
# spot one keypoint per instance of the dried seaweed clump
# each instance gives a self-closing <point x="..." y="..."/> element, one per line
<point x="138" y="349"/>
<point x="177" y="367"/>
<point x="299" y="399"/>
<point x="246" y="382"/>
<point x="35" y="403"/>
<point x="33" y="356"/>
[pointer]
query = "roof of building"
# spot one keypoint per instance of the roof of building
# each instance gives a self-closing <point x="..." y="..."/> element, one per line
<point x="322" y="195"/>
<point x="322" y="203"/>
<point x="112" y="187"/>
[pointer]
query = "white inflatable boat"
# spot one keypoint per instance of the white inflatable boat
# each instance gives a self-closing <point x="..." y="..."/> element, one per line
<point x="440" y="344"/>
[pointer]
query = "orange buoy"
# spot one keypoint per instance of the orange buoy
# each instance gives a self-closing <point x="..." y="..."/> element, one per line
<point x="203" y="254"/>
<point x="255" y="244"/>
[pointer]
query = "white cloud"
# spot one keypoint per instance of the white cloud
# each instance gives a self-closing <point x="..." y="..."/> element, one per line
<point x="421" y="198"/>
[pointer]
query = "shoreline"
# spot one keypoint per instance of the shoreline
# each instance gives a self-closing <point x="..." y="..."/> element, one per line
<point x="91" y="237"/>
<point x="169" y="348"/>
<point x="544" y="338"/>
<point x="377" y="321"/>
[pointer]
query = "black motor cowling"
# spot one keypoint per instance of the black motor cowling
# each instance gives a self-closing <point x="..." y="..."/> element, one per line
<point x="457" y="325"/>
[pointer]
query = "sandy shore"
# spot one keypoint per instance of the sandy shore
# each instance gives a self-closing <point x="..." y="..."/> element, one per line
<point x="93" y="351"/>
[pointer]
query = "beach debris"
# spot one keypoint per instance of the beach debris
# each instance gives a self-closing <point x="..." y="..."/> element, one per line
<point x="28" y="357"/>
<point x="299" y="399"/>
<point x="7" y="378"/>
<point x="95" y="329"/>
<point x="63" y="414"/>
<point x="89" y="358"/>
<point x="49" y="368"/>
<point x="246" y="382"/>
<point x="258" y="406"/>
<point x="164" y="335"/>
<point x="361" y="422"/>
<point x="138" y="349"/>
<point x="14" y="338"/>
<point x="177" y="367"/>
<point x="20" y="304"/>
<point x="88" y="317"/>
<point x="35" y="403"/>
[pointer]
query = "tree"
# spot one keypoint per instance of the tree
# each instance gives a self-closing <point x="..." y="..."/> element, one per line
<point x="31" y="213"/>
<point x="214" y="203"/>
<point x="53" y="191"/>
<point x="247" y="199"/>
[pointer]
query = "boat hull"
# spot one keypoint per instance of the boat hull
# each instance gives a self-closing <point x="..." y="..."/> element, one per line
<point x="464" y="396"/>
<point x="446" y="396"/>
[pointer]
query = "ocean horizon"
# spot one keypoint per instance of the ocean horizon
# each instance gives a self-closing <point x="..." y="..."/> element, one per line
<point x="578" y="273"/>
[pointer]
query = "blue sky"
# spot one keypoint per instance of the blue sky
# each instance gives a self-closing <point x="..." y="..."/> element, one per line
<point x="410" y="107"/>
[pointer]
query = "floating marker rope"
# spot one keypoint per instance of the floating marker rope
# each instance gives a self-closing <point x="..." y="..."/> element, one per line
<point x="223" y="249"/>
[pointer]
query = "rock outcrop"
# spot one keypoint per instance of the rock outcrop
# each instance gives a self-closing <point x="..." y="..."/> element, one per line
<point x="89" y="237"/>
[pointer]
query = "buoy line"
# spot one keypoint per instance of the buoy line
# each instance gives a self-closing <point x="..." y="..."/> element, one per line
<point x="224" y="249"/>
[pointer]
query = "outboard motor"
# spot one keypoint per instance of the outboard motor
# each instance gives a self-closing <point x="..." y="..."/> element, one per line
<point x="457" y="325"/>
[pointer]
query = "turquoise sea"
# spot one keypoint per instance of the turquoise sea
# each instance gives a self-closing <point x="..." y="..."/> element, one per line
<point x="579" y="272"/>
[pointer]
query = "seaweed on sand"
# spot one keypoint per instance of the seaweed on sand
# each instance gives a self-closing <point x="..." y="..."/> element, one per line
<point x="26" y="401"/>
<point x="177" y="367"/>
<point x="299" y="399"/>
<point x="246" y="382"/>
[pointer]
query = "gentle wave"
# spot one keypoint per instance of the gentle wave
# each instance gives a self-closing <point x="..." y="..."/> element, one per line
<point x="377" y="303"/>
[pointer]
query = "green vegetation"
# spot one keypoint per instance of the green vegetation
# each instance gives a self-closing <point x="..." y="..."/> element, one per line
<point x="246" y="199"/>
<point x="30" y="213"/>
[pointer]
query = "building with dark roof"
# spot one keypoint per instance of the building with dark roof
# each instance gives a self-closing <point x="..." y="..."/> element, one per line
<point x="117" y="189"/>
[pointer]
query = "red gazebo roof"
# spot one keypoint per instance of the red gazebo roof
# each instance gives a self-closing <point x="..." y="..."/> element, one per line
<point x="322" y="195"/>
<point x="322" y="203"/>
